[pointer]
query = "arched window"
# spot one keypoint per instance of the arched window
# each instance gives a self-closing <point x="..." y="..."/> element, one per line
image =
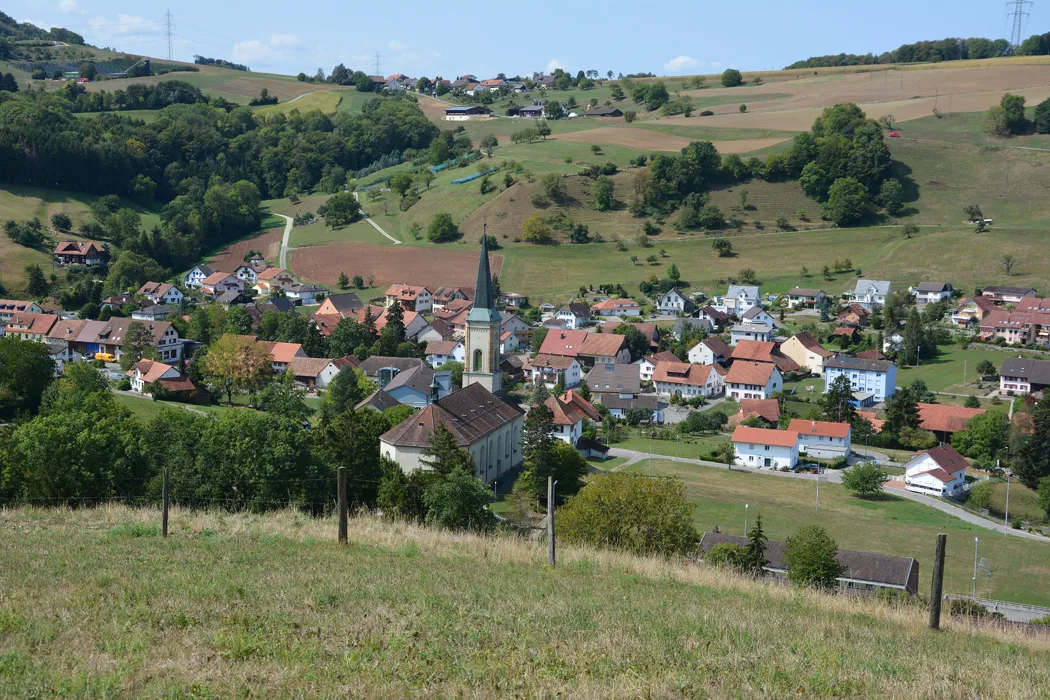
<point x="477" y="360"/>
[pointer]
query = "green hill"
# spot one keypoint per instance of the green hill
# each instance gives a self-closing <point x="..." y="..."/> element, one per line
<point x="95" y="603"/>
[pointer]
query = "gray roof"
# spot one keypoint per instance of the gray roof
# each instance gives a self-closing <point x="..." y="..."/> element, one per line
<point x="418" y="379"/>
<point x="752" y="328"/>
<point x="1022" y="291"/>
<point x="613" y="401"/>
<point x="379" y="401"/>
<point x="617" y="379"/>
<point x="680" y="324"/>
<point x="754" y="311"/>
<point x="346" y="302"/>
<point x="856" y="363"/>
<point x="577" y="310"/>
<point x="869" y="567"/>
<point x="881" y="286"/>
<point x="735" y="290"/>
<point x="1035" y="371"/>
<point x="372" y="365"/>
<point x="157" y="311"/>
<point x="805" y="292"/>
<point x="204" y="270"/>
<point x="603" y="112"/>
<point x="229" y="296"/>
<point x="277" y="304"/>
<point x="934" y="287"/>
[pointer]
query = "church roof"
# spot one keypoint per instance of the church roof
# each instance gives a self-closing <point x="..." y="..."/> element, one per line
<point x="469" y="414"/>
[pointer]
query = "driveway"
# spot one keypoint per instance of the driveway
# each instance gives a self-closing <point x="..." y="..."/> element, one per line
<point x="282" y="260"/>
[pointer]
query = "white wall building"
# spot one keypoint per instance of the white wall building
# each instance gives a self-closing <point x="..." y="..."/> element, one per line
<point x="938" y="472"/>
<point x="821" y="438"/>
<point x="876" y="377"/>
<point x="870" y="293"/>
<point x="765" y="448"/>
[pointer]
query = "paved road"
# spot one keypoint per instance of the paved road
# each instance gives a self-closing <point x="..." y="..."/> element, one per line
<point x="283" y="260"/>
<point x="834" y="477"/>
<point x="375" y="225"/>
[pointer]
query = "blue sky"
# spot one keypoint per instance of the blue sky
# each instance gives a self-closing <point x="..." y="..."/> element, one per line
<point x="451" y="38"/>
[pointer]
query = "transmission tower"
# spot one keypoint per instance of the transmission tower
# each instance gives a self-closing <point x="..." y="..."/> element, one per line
<point x="169" y="31"/>
<point x="377" y="63"/>
<point x="1018" y="12"/>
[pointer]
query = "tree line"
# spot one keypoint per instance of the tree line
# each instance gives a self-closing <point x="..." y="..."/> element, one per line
<point x="936" y="51"/>
<point x="220" y="62"/>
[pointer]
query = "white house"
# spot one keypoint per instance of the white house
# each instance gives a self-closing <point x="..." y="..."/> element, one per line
<point x="937" y="472"/>
<point x="617" y="307"/>
<point x="758" y="315"/>
<point x="411" y="297"/>
<point x="550" y="369"/>
<point x="762" y="447"/>
<point x="313" y="372"/>
<point x="161" y="293"/>
<point x="875" y="377"/>
<point x="870" y="294"/>
<point x="247" y="274"/>
<point x="753" y="380"/>
<point x="821" y="438"/>
<point x="570" y="411"/>
<point x="574" y="316"/>
<point x="800" y="297"/>
<point x="931" y="292"/>
<point x="196" y="276"/>
<point x="760" y="332"/>
<point x="145" y="372"/>
<point x="1018" y="375"/>
<point x="739" y="299"/>
<point x="674" y="302"/>
<point x="710" y="351"/>
<point x="647" y="365"/>
<point x="305" y="294"/>
<point x="688" y="380"/>
<point x="442" y="351"/>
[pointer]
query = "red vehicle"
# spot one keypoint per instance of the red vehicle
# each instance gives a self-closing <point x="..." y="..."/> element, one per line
<point x="894" y="135"/>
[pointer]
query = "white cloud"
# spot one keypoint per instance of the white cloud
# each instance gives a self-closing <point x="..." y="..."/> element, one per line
<point x="67" y="5"/>
<point x="123" y="26"/>
<point x="682" y="64"/>
<point x="36" y="23"/>
<point x="284" y="40"/>
<point x="554" y="64"/>
<point x="396" y="46"/>
<point x="251" y="51"/>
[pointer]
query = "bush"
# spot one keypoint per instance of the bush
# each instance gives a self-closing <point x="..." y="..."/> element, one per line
<point x="707" y="113"/>
<point x="865" y="480"/>
<point x="732" y="78"/>
<point x="980" y="496"/>
<point x="442" y="229"/>
<point x="61" y="222"/>
<point x="811" y="558"/>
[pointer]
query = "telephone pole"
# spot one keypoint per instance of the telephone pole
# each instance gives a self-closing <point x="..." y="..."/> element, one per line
<point x="1018" y="15"/>
<point x="169" y="32"/>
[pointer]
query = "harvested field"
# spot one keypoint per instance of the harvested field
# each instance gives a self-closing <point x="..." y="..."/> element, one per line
<point x="284" y="89"/>
<point x="431" y="267"/>
<point x="434" y="109"/>
<point x="650" y="140"/>
<point x="269" y="244"/>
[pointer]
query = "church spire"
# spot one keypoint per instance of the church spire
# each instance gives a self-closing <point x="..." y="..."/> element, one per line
<point x="483" y="291"/>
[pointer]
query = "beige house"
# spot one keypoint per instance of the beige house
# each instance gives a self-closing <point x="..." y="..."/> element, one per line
<point x="806" y="352"/>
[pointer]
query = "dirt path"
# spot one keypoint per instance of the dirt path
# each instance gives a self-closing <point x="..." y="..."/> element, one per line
<point x="282" y="261"/>
<point x="376" y="226"/>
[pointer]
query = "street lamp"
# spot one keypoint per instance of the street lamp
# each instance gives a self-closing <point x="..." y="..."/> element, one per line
<point x="1006" y="517"/>
<point x="975" y="568"/>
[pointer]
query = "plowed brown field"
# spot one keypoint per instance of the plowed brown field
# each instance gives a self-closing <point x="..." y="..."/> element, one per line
<point x="429" y="267"/>
<point x="269" y="244"/>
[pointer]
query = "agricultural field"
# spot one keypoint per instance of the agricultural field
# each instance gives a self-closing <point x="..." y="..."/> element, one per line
<point x="326" y="101"/>
<point x="889" y="524"/>
<point x="390" y="264"/>
<point x="234" y="604"/>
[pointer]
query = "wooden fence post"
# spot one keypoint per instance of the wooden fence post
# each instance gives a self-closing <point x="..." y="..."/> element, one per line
<point x="342" y="505"/>
<point x="164" y="505"/>
<point x="937" y="586"/>
<point x="550" y="521"/>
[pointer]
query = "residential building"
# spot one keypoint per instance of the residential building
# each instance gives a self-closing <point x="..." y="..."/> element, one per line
<point x="607" y="379"/>
<point x="870" y="294"/>
<point x="603" y="112"/>
<point x="511" y="323"/>
<point x="740" y="299"/>
<point x="803" y="298"/>
<point x="570" y="411"/>
<point x="108" y="337"/>
<point x="64" y="333"/>
<point x="282" y="354"/>
<point x="60" y="355"/>
<point x="382" y="369"/>
<point x="971" y="312"/>
<point x="685" y="325"/>
<point x="574" y="316"/>
<point x="718" y="319"/>
<point x="195" y="277"/>
<point x="313" y="372"/>
<point x="343" y="305"/>
<point x="220" y="283"/>
<point x="764" y="448"/>
<point x="415" y="324"/>
<point x="821" y="438"/>
<point x="411" y="297"/>
<point x="509" y="343"/>
<point x="1018" y="375"/>
<point x="619" y="405"/>
<point x="760" y="351"/>
<point x="753" y="380"/>
<point x="12" y="307"/>
<point x="482" y="423"/>
<point x="806" y="352"/>
<point x="757" y="315"/>
<point x="80" y="253"/>
<point x="758" y="332"/>
<point x="687" y="380"/>
<point x="441" y="351"/>
<point x="273" y="278"/>
<point x="854" y="315"/>
<point x="533" y="111"/>
<point x="552" y="369"/>
<point x="419" y="387"/>
<point x="674" y="302"/>
<point x="482" y="332"/>
<point x="846" y="334"/>
<point x="305" y="294"/>
<point x="466" y="112"/>
<point x="145" y="372"/>
<point x="766" y="410"/>
<point x="861" y="571"/>
<point x="647" y="365"/>
<point x="246" y="274"/>
<point x="513" y="300"/>
<point x="938" y="472"/>
<point x="944" y="421"/>
<point x="617" y="307"/>
<point x="1001" y="296"/>
<point x="31" y="326"/>
<point x="161" y="293"/>
<point x="379" y="401"/>
<point x="931" y="292"/>
<point x="443" y="295"/>
<point x="710" y="351"/>
<point x="875" y="377"/>
<point x="589" y="348"/>
<point x="157" y="312"/>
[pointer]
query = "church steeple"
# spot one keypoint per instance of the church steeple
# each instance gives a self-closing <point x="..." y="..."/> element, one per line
<point x="484" y="305"/>
<point x="483" y="331"/>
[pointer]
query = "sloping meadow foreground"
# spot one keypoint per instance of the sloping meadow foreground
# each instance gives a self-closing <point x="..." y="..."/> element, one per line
<point x="94" y="603"/>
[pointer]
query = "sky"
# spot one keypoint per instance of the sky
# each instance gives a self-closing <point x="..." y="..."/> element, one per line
<point x="455" y="37"/>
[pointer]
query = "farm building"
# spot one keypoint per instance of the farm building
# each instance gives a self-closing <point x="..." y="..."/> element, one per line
<point x="462" y="114"/>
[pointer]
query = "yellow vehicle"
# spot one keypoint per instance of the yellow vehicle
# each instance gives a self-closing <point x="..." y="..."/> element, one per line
<point x="105" y="357"/>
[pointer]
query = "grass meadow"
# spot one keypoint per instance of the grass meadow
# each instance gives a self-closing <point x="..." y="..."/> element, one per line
<point x="97" y="604"/>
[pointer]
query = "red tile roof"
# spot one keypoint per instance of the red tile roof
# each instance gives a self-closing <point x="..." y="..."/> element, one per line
<point x="550" y="361"/>
<point x="945" y="419"/>
<point x="948" y="459"/>
<point x="682" y="373"/>
<point x="766" y="409"/>
<point x="765" y="436"/>
<point x="873" y="418"/>
<point x="283" y="352"/>
<point x="575" y="343"/>
<point x="819" y="427"/>
<point x="810" y="343"/>
<point x="763" y="351"/>
<point x="870" y="355"/>
<point x="85" y="248"/>
<point x="271" y="273"/>
<point x="570" y="408"/>
<point x="31" y="323"/>
<point x="405" y="292"/>
<point x="754" y="373"/>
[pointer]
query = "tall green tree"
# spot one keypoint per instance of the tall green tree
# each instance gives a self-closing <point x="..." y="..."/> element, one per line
<point x="1030" y="460"/>
<point x="459" y="502"/>
<point x="902" y="411"/>
<point x="838" y="402"/>
<point x="26" y="370"/>
<point x="444" y="455"/>
<point x="811" y="557"/>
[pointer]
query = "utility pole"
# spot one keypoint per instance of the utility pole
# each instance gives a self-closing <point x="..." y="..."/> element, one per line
<point x="164" y="505"/>
<point x="1018" y="15"/>
<point x="169" y="32"/>
<point x="817" y="508"/>
<point x="975" y="545"/>
<point x="377" y="63"/>
<point x="342" y="504"/>
<point x="551" y="558"/>
<point x="937" y="586"/>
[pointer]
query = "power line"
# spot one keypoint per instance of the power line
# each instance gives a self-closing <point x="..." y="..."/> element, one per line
<point x="377" y="63"/>
<point x="1018" y="14"/>
<point x="169" y="26"/>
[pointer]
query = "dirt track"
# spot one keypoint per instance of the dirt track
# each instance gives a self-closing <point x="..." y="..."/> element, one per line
<point x="649" y="140"/>
<point x="430" y="267"/>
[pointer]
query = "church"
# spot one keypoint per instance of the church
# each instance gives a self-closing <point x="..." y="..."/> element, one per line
<point x="484" y="424"/>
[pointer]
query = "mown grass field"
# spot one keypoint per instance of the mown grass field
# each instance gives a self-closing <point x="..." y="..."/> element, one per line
<point x="327" y="102"/>
<point x="96" y="603"/>
<point x="890" y="524"/>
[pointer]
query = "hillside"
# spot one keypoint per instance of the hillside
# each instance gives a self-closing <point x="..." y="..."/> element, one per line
<point x="96" y="603"/>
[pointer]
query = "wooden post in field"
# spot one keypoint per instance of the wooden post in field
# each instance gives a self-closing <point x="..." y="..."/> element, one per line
<point x="937" y="586"/>
<point x="550" y="521"/>
<point x="342" y="505"/>
<point x="164" y="505"/>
